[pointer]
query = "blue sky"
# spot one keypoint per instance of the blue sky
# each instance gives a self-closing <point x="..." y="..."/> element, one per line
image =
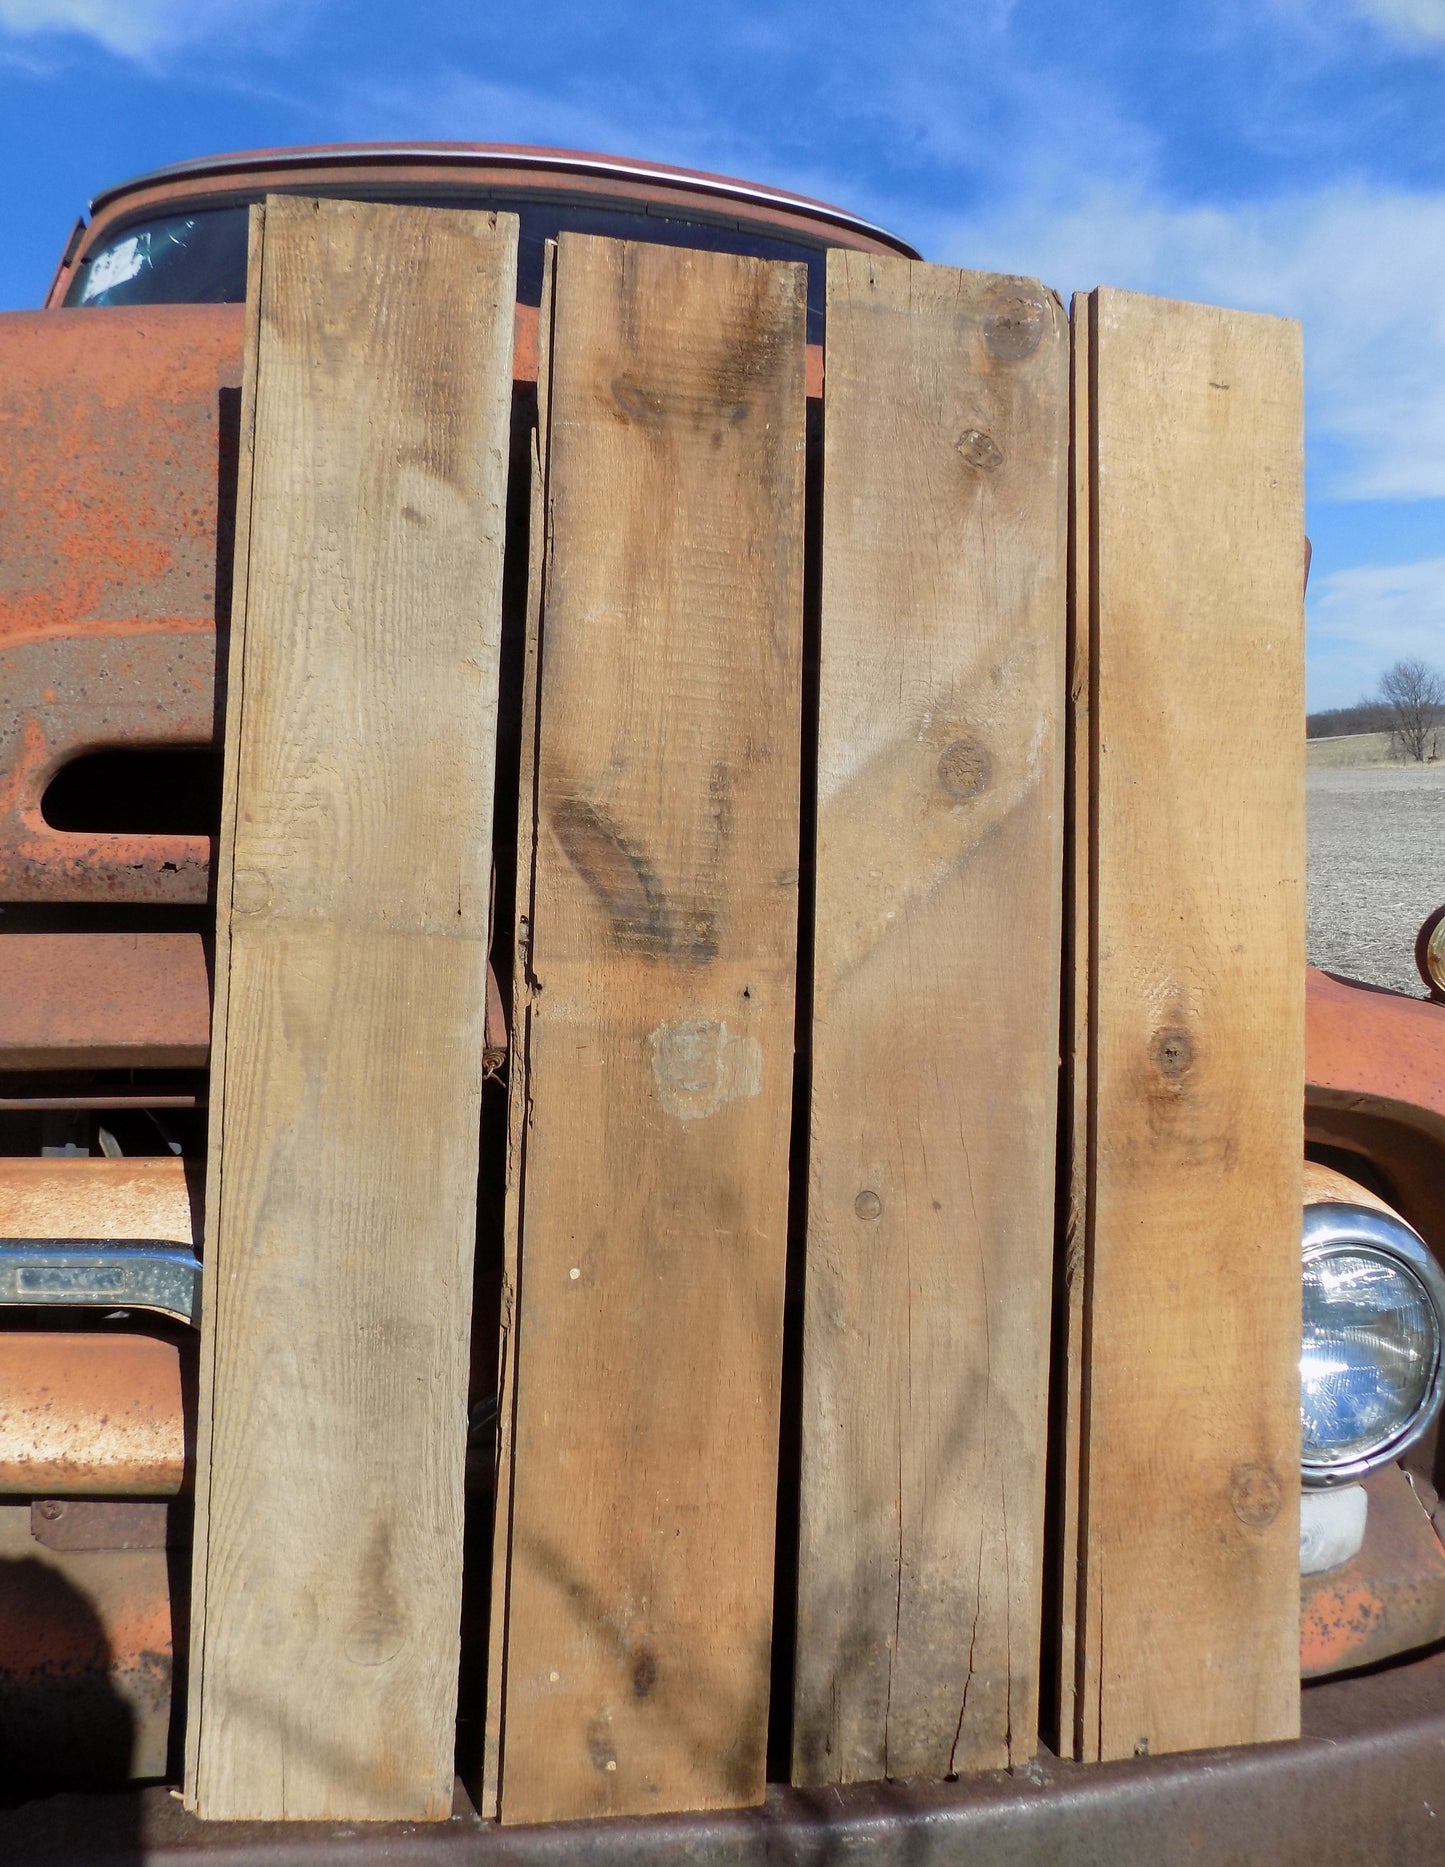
<point x="1283" y="155"/>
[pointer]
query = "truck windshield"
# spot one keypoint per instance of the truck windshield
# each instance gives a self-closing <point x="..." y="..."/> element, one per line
<point x="199" y="258"/>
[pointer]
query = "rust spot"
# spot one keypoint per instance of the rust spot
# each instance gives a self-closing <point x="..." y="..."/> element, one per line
<point x="1172" y="1052"/>
<point x="868" y="1205"/>
<point x="980" y="450"/>
<point x="1013" y="326"/>
<point x="1254" y="1495"/>
<point x="644" y="1673"/>
<point x="964" y="769"/>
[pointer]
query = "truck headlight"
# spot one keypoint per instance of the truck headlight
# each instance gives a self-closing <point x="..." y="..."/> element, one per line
<point x="1372" y="1373"/>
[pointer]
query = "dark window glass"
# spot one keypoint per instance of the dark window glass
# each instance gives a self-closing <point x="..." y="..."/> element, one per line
<point x="200" y="258"/>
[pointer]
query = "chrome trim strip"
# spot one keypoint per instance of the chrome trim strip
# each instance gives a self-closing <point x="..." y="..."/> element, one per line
<point x="101" y="1273"/>
<point x="1336" y="1227"/>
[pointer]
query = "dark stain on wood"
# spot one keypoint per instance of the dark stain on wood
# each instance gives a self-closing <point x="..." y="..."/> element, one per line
<point x="624" y="880"/>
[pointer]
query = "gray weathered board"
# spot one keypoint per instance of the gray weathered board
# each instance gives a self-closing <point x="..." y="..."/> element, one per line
<point x="935" y="1022"/>
<point x="663" y="926"/>
<point x="349" y="1020"/>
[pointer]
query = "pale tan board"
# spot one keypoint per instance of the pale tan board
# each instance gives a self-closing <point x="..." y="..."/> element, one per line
<point x="1189" y="1509"/>
<point x="661" y="1037"/>
<point x="349" y="1041"/>
<point x="1073" y="1077"/>
<point x="935" y="1026"/>
<point x="517" y="1069"/>
<point x="221" y="969"/>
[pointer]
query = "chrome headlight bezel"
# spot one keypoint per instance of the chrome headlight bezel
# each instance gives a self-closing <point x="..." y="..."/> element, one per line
<point x="1367" y="1232"/>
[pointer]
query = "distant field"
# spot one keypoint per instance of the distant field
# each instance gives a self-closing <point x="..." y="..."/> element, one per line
<point x="1376" y="864"/>
<point x="1350" y="749"/>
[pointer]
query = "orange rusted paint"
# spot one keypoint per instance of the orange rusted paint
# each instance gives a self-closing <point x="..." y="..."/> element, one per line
<point x="104" y="1001"/>
<point x="92" y="1415"/>
<point x="137" y="1197"/>
<point x="1360" y="1041"/>
<point x="116" y="492"/>
<point x="1375" y="1086"/>
<point x="1388" y="1599"/>
<point x="113" y="426"/>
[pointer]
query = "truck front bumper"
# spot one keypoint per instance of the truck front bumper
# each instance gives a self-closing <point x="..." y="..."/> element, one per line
<point x="1366" y="1784"/>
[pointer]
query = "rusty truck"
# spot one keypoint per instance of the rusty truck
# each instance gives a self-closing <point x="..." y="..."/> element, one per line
<point x="120" y="426"/>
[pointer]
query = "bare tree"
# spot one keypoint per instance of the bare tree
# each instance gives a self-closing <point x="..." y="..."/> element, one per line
<point x="1415" y="694"/>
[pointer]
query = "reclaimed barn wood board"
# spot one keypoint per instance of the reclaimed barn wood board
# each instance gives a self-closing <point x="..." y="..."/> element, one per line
<point x="221" y="979"/>
<point x="660" y="1047"/>
<point x="349" y="1043"/>
<point x="517" y="1067"/>
<point x="1190" y="1456"/>
<point x="1066" y="1416"/>
<point x="935" y="1026"/>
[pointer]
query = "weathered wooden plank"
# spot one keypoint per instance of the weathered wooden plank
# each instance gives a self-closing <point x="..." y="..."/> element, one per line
<point x="661" y="1037"/>
<point x="517" y="1077"/>
<point x="1070" y="1708"/>
<point x="221" y="983"/>
<point x="351" y="1028"/>
<point x="935" y="1031"/>
<point x="1190" y="1459"/>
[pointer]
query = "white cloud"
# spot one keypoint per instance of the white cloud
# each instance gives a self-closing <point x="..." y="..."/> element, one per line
<point x="137" y="29"/>
<point x="1363" y="619"/>
<point x="1361" y="267"/>
<point x="455" y="106"/>
<point x="1411" y="19"/>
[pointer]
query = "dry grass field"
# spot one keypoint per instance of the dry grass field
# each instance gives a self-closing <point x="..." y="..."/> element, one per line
<point x="1376" y="867"/>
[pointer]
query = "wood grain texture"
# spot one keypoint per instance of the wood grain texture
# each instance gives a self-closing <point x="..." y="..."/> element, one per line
<point x="517" y="1076"/>
<point x="935" y="1031"/>
<point x="1074" y="1048"/>
<point x="221" y="978"/>
<point x="1191" y="1403"/>
<point x="354" y="911"/>
<point x="661" y="1037"/>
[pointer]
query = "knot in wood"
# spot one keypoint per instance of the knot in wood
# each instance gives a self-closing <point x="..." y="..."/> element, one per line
<point x="1013" y="327"/>
<point x="980" y="450"/>
<point x="1255" y="1495"/>
<point x="1173" y="1054"/>
<point x="964" y="769"/>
